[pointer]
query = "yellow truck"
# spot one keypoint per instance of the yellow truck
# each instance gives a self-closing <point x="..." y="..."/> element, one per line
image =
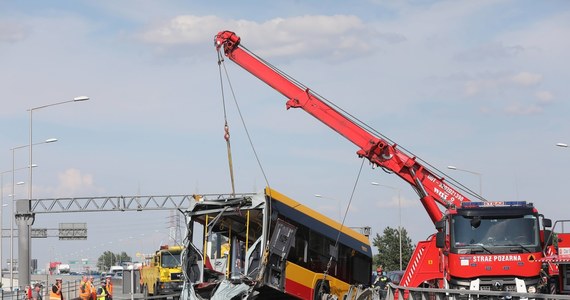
<point x="162" y="273"/>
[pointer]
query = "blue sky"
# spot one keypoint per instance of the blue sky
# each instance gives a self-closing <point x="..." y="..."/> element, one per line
<point x="481" y="85"/>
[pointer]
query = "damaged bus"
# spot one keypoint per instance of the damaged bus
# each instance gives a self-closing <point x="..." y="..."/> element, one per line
<point x="266" y="245"/>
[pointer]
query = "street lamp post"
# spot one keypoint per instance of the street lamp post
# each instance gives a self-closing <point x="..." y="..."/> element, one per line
<point x="339" y="208"/>
<point x="26" y="218"/>
<point x="12" y="196"/>
<point x="472" y="172"/>
<point x="51" y="140"/>
<point x="31" y="110"/>
<point x="1" y="238"/>
<point x="2" y="205"/>
<point x="2" y="219"/>
<point x="399" y="216"/>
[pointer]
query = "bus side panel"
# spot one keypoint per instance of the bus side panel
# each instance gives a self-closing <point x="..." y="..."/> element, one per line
<point x="299" y="281"/>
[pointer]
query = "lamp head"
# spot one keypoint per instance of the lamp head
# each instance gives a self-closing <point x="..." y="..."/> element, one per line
<point x="80" y="98"/>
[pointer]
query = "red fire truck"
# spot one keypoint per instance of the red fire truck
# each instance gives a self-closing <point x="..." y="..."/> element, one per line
<point x="557" y="259"/>
<point x="473" y="247"/>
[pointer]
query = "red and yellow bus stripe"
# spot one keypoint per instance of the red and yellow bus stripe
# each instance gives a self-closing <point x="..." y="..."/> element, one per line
<point x="301" y="282"/>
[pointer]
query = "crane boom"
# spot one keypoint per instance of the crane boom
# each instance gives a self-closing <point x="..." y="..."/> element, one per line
<point x="380" y="152"/>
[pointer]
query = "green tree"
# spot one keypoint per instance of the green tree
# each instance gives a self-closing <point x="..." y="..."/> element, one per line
<point x="108" y="259"/>
<point x="389" y="249"/>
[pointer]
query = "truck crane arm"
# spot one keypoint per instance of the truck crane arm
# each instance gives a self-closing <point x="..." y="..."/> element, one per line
<point x="380" y="152"/>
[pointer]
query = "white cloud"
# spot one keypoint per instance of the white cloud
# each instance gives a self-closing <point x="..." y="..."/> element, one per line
<point x="474" y="87"/>
<point x="183" y="30"/>
<point x="544" y="38"/>
<point x="521" y="109"/>
<point x="526" y="79"/>
<point x="516" y="89"/>
<point x="72" y="182"/>
<point x="544" y="96"/>
<point x="493" y="50"/>
<point x="333" y="37"/>
<point x="494" y="83"/>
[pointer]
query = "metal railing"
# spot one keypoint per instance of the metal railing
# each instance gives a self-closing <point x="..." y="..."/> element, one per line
<point x="409" y="293"/>
<point x="70" y="290"/>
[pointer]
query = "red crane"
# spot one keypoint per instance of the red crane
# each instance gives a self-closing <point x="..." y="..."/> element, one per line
<point x="470" y="250"/>
<point x="431" y="188"/>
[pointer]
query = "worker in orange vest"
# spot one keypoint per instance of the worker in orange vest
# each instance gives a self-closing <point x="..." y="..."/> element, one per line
<point x="109" y="283"/>
<point x="84" y="289"/>
<point x="92" y="288"/>
<point x="56" y="292"/>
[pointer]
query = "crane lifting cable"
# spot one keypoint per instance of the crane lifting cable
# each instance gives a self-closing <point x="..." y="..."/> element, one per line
<point x="336" y="244"/>
<point x="226" y="126"/>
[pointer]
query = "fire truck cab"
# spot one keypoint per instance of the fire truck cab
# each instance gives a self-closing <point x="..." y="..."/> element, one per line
<point x="492" y="246"/>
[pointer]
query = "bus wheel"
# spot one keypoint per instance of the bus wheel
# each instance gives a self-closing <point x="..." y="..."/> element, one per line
<point x="321" y="288"/>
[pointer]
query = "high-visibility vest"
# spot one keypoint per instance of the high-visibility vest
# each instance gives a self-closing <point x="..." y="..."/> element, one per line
<point x="102" y="295"/>
<point x="93" y="290"/>
<point x="84" y="290"/>
<point x="57" y="294"/>
<point x="110" y="288"/>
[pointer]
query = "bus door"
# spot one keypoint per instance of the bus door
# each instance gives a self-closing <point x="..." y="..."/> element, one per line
<point x="281" y="240"/>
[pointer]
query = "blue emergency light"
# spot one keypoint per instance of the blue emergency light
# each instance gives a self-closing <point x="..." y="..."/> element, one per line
<point x="493" y="204"/>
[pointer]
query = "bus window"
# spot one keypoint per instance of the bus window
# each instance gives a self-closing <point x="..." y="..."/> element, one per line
<point x="218" y="247"/>
<point x="237" y="258"/>
<point x="298" y="253"/>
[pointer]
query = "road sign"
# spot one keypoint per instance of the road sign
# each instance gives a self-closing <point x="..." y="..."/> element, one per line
<point x="72" y="231"/>
<point x="39" y="233"/>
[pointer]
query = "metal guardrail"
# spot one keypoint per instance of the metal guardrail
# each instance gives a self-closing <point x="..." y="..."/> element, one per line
<point x="70" y="291"/>
<point x="71" y="284"/>
<point x="400" y="292"/>
<point x="12" y="295"/>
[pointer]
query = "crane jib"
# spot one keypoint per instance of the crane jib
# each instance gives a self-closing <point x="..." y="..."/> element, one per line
<point x="446" y="192"/>
<point x="375" y="149"/>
